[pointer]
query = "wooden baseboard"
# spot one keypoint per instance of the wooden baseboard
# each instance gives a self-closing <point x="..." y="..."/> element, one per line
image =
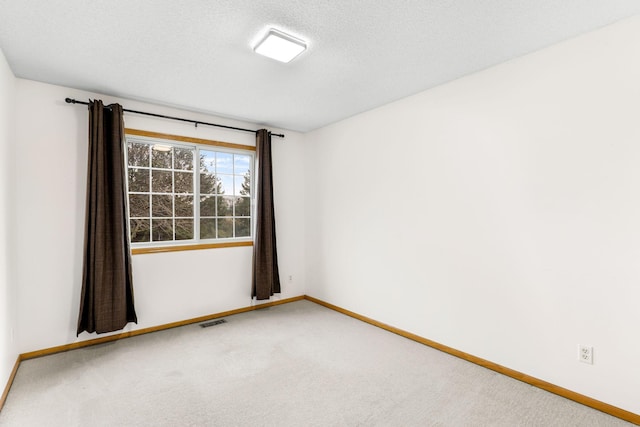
<point x="110" y="338"/>
<point x="5" y="393"/>
<point x="560" y="391"/>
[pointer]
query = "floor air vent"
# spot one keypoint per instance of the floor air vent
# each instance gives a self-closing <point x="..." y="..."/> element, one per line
<point x="212" y="323"/>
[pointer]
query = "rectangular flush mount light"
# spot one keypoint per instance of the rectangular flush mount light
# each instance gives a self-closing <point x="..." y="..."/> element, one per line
<point x="280" y="46"/>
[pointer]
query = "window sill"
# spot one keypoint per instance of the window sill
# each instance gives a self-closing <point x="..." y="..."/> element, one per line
<point x="176" y="248"/>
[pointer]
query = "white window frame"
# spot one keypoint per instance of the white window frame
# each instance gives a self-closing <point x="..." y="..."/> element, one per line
<point x="133" y="136"/>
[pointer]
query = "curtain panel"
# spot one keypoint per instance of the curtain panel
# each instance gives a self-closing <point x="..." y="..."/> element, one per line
<point x="266" y="278"/>
<point x="106" y="302"/>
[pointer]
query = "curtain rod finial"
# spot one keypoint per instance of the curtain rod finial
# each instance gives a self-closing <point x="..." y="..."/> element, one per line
<point x="70" y="101"/>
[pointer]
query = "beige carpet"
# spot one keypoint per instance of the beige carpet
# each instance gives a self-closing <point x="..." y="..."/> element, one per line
<point x="297" y="364"/>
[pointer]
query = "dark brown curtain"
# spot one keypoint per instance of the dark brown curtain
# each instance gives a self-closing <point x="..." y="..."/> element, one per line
<point x="106" y="303"/>
<point x="266" y="278"/>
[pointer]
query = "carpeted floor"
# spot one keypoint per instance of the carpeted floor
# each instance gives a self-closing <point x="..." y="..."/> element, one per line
<point x="297" y="364"/>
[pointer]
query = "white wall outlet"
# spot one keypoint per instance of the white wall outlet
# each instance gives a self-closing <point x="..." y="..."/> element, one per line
<point x="585" y="354"/>
<point x="290" y="278"/>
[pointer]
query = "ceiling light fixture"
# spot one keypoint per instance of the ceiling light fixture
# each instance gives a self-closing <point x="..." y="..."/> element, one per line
<point x="280" y="46"/>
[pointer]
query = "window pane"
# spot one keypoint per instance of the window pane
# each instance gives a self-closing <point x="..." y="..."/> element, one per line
<point x="138" y="180"/>
<point x="238" y="182"/>
<point x="184" y="182"/>
<point x="224" y="163"/>
<point x="208" y="206"/>
<point x="138" y="154"/>
<point x="184" y="229"/>
<point x="208" y="183"/>
<point x="140" y="230"/>
<point x="225" y="228"/>
<point x="162" y="181"/>
<point x="208" y="161"/>
<point x="162" y="206"/>
<point x="243" y="206"/>
<point x="207" y="228"/>
<point x="184" y="206"/>
<point x="242" y="164"/>
<point x="183" y="158"/>
<point x="243" y="227"/>
<point x="162" y="230"/>
<point x="244" y="186"/>
<point x="139" y="205"/>
<point x="225" y="206"/>
<point x="161" y="159"/>
<point x="226" y="184"/>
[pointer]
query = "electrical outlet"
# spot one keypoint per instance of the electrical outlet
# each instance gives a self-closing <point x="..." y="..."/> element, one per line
<point x="290" y="278"/>
<point x="585" y="354"/>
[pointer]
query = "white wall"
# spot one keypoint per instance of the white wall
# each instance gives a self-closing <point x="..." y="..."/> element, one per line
<point x="498" y="214"/>
<point x="8" y="347"/>
<point x="50" y="204"/>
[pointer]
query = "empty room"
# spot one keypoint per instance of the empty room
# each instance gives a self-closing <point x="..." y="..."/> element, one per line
<point x="334" y="213"/>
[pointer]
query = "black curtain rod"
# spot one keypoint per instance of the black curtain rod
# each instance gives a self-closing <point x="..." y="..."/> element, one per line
<point x="196" y="122"/>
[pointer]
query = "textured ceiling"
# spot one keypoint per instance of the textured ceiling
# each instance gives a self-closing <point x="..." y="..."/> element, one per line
<point x="197" y="54"/>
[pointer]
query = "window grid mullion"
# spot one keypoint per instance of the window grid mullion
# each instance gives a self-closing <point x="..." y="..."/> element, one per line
<point x="233" y="196"/>
<point x="173" y="192"/>
<point x="196" y="193"/>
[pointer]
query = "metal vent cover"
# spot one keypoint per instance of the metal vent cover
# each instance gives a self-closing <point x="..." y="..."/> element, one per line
<point x="212" y="323"/>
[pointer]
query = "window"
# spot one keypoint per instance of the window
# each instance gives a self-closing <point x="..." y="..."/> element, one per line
<point x="181" y="192"/>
